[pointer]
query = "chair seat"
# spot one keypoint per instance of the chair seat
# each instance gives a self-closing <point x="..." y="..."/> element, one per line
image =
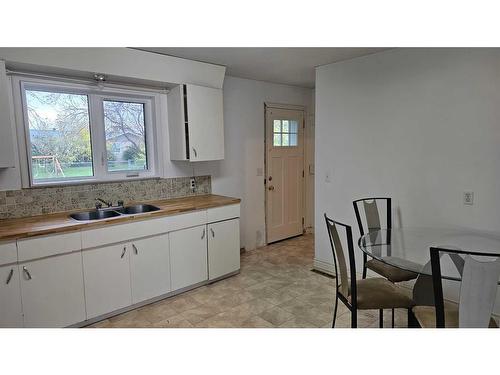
<point x="426" y="316"/>
<point x="392" y="273"/>
<point x="379" y="293"/>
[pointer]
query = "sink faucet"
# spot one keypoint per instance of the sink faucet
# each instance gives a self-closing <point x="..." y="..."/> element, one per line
<point x="99" y="202"/>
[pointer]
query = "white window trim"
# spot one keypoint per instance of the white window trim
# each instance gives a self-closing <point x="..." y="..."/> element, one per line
<point x="96" y="95"/>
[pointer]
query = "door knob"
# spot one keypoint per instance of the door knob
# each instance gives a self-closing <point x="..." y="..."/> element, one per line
<point x="271" y="187"/>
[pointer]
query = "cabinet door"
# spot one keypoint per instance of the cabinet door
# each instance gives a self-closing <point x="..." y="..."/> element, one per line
<point x="188" y="256"/>
<point x="150" y="267"/>
<point x="52" y="291"/>
<point x="205" y="123"/>
<point x="11" y="314"/>
<point x="223" y="248"/>
<point x="107" y="279"/>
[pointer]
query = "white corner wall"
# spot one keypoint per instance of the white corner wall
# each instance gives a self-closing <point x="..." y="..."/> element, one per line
<point x="236" y="175"/>
<point x="419" y="125"/>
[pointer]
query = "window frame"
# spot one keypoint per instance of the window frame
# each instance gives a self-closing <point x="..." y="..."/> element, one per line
<point x="96" y="96"/>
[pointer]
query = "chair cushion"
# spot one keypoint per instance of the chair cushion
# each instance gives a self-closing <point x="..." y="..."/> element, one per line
<point x="379" y="293"/>
<point x="426" y="316"/>
<point x="392" y="273"/>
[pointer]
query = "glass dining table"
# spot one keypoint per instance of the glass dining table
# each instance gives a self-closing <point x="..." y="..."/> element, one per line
<point x="408" y="249"/>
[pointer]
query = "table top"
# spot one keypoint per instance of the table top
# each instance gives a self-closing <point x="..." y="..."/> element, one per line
<point x="408" y="248"/>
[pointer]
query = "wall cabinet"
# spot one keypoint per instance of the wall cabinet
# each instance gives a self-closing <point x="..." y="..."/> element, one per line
<point x="7" y="158"/>
<point x="188" y="256"/>
<point x="196" y="123"/>
<point x="52" y="291"/>
<point x="11" y="312"/>
<point x="107" y="279"/>
<point x="150" y="267"/>
<point x="223" y="248"/>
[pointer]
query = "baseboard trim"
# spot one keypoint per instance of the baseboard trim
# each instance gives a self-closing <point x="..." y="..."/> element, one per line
<point x="324" y="267"/>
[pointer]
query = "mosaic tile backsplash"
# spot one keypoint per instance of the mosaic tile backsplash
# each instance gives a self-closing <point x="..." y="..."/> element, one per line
<point x="39" y="201"/>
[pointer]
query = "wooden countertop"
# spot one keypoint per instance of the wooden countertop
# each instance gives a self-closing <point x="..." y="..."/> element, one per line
<point x="13" y="229"/>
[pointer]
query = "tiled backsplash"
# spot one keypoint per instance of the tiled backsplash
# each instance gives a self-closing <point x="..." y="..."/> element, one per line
<point x="38" y="201"/>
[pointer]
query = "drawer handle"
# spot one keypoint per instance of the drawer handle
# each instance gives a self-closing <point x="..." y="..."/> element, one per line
<point x="212" y="231"/>
<point x="27" y="273"/>
<point x="195" y="153"/>
<point x="10" y="276"/>
<point x="135" y="249"/>
<point x="203" y="234"/>
<point x="123" y="252"/>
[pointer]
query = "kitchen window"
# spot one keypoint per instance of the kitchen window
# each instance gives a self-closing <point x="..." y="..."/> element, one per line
<point x="77" y="133"/>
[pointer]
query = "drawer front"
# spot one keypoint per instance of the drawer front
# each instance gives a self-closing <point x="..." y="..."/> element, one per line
<point x="8" y="253"/>
<point x="223" y="213"/>
<point x="45" y="246"/>
<point x="144" y="228"/>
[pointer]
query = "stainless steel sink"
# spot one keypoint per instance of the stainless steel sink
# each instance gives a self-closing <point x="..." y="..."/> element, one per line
<point x="94" y="215"/>
<point x="138" y="209"/>
<point x="113" y="212"/>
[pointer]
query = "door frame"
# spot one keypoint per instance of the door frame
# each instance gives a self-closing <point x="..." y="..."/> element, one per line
<point x="294" y="107"/>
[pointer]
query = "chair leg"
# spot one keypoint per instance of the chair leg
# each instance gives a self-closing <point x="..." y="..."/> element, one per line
<point x="335" y="310"/>
<point x="365" y="259"/>
<point x="354" y="318"/>
<point x="392" y="318"/>
<point x="381" y="318"/>
<point x="412" y="321"/>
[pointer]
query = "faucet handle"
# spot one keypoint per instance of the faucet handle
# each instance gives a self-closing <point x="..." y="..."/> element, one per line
<point x="120" y="203"/>
<point x="98" y="205"/>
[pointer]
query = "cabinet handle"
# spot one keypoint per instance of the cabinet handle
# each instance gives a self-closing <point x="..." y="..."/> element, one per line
<point x="135" y="249"/>
<point x="203" y="234"/>
<point x="195" y="153"/>
<point x="10" y="276"/>
<point x="28" y="275"/>
<point x="212" y="231"/>
<point x="123" y="252"/>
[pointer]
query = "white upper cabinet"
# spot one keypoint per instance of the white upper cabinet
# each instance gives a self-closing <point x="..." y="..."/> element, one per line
<point x="7" y="158"/>
<point x="196" y="123"/>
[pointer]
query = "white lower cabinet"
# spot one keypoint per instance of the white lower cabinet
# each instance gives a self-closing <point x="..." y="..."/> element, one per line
<point x="223" y="248"/>
<point x="150" y="267"/>
<point x="107" y="279"/>
<point x="52" y="291"/>
<point x="188" y="256"/>
<point x="11" y="312"/>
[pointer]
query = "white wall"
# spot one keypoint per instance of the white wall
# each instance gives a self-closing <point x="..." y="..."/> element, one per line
<point x="236" y="175"/>
<point x="419" y="125"/>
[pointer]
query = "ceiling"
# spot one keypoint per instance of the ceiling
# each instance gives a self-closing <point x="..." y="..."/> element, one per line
<point x="291" y="66"/>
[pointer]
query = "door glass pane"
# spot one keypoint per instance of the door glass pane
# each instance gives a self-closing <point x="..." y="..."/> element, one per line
<point x="293" y="126"/>
<point x="277" y="140"/>
<point x="277" y="126"/>
<point x="125" y="135"/>
<point x="285" y="126"/>
<point x="285" y="140"/>
<point x="59" y="133"/>
<point x="293" y="139"/>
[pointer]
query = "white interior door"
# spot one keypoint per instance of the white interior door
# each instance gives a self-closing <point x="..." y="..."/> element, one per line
<point x="284" y="173"/>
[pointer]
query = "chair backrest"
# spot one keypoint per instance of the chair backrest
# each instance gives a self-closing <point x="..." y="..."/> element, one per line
<point x="339" y="259"/>
<point x="480" y="273"/>
<point x="371" y="208"/>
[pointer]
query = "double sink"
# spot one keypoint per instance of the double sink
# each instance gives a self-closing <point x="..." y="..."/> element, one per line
<point x="106" y="213"/>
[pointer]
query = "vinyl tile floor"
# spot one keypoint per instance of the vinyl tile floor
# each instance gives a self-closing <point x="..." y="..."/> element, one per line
<point x="275" y="288"/>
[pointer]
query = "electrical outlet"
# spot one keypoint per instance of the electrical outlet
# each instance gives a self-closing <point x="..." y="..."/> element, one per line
<point x="193" y="184"/>
<point x="469" y="198"/>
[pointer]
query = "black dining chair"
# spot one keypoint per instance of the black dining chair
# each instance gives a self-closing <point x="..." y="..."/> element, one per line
<point x="365" y="294"/>
<point x="479" y="277"/>
<point x="372" y="222"/>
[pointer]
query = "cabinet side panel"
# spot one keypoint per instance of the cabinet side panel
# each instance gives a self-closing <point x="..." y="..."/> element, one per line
<point x="176" y="130"/>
